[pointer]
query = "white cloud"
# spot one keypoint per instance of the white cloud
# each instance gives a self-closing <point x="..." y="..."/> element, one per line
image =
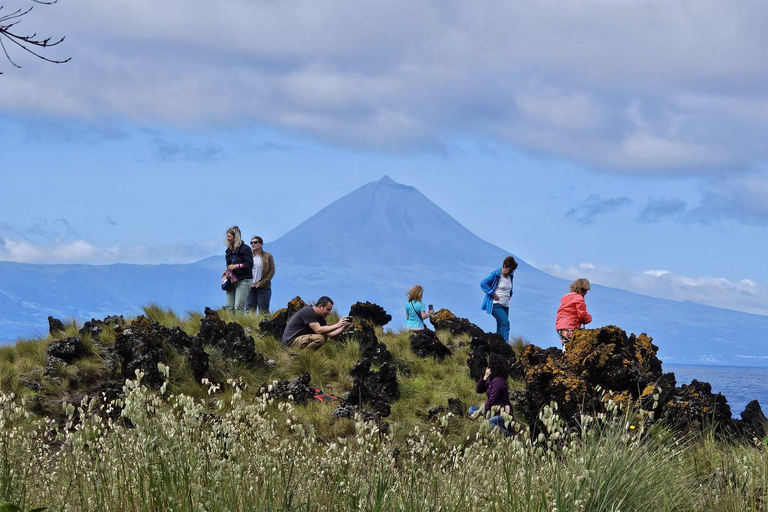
<point x="746" y="295"/>
<point x="81" y="251"/>
<point x="633" y="85"/>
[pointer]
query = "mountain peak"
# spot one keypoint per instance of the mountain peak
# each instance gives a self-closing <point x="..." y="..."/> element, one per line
<point x="386" y="223"/>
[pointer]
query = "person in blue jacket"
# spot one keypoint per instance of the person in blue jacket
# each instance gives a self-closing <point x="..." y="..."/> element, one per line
<point x="498" y="290"/>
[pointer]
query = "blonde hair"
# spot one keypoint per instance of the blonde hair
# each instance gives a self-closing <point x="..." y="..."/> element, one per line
<point x="580" y="286"/>
<point x="238" y="241"/>
<point x="415" y="293"/>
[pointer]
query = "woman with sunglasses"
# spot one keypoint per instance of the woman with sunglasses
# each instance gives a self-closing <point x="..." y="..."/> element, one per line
<point x="263" y="272"/>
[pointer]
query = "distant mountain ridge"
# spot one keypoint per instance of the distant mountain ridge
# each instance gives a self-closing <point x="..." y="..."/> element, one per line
<point x="374" y="244"/>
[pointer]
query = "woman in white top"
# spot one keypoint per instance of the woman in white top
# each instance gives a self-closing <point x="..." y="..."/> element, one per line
<point x="498" y="290"/>
<point x="414" y="309"/>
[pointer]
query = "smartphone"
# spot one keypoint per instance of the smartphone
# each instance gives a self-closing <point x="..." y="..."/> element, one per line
<point x="430" y="307"/>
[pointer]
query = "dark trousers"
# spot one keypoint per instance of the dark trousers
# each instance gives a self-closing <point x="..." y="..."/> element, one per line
<point x="258" y="298"/>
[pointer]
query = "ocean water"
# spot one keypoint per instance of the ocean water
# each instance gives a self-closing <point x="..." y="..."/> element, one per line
<point x="739" y="384"/>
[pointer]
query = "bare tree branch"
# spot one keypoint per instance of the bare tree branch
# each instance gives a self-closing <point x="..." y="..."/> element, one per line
<point x="29" y="43"/>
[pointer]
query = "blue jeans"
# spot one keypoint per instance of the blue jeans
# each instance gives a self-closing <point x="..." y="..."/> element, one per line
<point x="236" y="296"/>
<point x="501" y="314"/>
<point x="497" y="421"/>
<point x="258" y="298"/>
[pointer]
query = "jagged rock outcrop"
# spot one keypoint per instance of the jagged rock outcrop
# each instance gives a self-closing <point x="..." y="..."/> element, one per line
<point x="231" y="338"/>
<point x="275" y="326"/>
<point x="455" y="406"/>
<point x="140" y="347"/>
<point x="55" y="326"/>
<point x="425" y="343"/>
<point x="605" y="358"/>
<point x="374" y="313"/>
<point x="444" y="319"/>
<point x="481" y="346"/>
<point x="68" y="349"/>
<point x="626" y="369"/>
<point x="297" y="390"/>
<point x="362" y="332"/>
<point x="94" y="327"/>
<point x="378" y="389"/>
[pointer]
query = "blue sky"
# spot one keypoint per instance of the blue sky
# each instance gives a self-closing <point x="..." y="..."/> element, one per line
<point x="621" y="141"/>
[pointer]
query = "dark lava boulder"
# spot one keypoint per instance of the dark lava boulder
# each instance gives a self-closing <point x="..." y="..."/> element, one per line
<point x="455" y="406"/>
<point x="237" y="345"/>
<point x="297" y="390"/>
<point x="68" y="349"/>
<point x="606" y="358"/>
<point x="55" y="326"/>
<point x="753" y="422"/>
<point x="378" y="389"/>
<point x="140" y="346"/>
<point x="694" y="406"/>
<point x="481" y="346"/>
<point x="371" y="312"/>
<point x="275" y="326"/>
<point x="94" y="327"/>
<point x="212" y="328"/>
<point x="444" y="319"/>
<point x="424" y="343"/>
<point x="199" y="361"/>
<point x="361" y="331"/>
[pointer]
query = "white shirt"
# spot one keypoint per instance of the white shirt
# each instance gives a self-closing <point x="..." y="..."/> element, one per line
<point x="503" y="290"/>
<point x="257" y="264"/>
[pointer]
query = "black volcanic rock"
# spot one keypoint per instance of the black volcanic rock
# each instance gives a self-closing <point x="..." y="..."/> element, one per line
<point x="55" y="326"/>
<point x="237" y="345"/>
<point x="455" y="406"/>
<point x="298" y="389"/>
<point x="68" y="349"/>
<point x="275" y="326"/>
<point x="607" y="357"/>
<point x="140" y="347"/>
<point x="378" y="389"/>
<point x="481" y="346"/>
<point x="361" y="331"/>
<point x="212" y="328"/>
<point x="694" y="406"/>
<point x="444" y="319"/>
<point x="94" y="327"/>
<point x="424" y="343"/>
<point x="371" y="312"/>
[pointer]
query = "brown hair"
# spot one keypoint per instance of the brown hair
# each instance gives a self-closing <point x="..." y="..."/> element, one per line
<point x="509" y="262"/>
<point x="415" y="293"/>
<point x="580" y="286"/>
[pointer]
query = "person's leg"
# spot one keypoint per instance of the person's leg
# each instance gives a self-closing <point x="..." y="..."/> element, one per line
<point x="311" y="341"/>
<point x="251" y="301"/>
<point x="472" y="410"/>
<point x="230" y="303"/>
<point x="498" y="424"/>
<point x="241" y="292"/>
<point x="501" y="314"/>
<point x="263" y="297"/>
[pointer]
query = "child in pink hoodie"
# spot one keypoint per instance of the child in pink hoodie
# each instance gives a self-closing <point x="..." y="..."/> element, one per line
<point x="572" y="313"/>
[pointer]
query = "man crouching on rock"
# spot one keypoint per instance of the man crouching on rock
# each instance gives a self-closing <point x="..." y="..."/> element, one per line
<point x="308" y="328"/>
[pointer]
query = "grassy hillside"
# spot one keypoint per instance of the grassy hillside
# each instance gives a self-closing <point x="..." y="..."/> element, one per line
<point x="223" y="444"/>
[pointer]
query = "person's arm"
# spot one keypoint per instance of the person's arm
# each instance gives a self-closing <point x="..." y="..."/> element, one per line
<point x="329" y="330"/>
<point x="581" y="312"/>
<point x="425" y="314"/>
<point x="488" y="286"/>
<point x="267" y="278"/>
<point x="482" y="384"/>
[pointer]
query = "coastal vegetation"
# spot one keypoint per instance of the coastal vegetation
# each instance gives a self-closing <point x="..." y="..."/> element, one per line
<point x="230" y="441"/>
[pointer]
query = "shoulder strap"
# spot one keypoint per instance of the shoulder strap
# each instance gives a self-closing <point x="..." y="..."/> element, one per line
<point x="417" y="313"/>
